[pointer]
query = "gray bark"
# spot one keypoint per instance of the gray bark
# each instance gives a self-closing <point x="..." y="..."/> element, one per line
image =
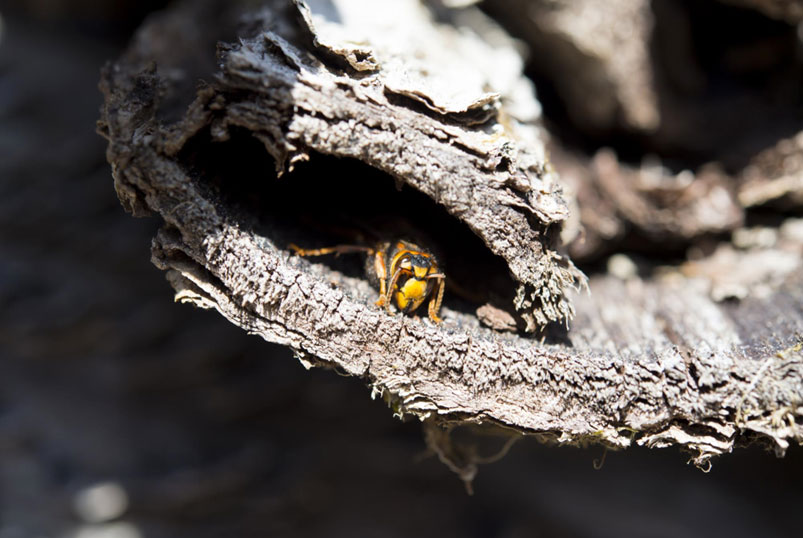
<point x="654" y="356"/>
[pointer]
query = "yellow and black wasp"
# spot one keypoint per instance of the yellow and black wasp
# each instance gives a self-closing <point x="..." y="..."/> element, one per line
<point x="406" y="274"/>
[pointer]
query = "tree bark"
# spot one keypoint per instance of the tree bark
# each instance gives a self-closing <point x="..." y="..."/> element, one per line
<point x="691" y="355"/>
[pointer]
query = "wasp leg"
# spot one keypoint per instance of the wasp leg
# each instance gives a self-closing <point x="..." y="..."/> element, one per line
<point x="391" y="287"/>
<point x="382" y="275"/>
<point x="339" y="249"/>
<point x="435" y="303"/>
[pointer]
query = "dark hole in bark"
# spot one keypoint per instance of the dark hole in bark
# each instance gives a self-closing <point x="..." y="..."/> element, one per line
<point x="330" y="201"/>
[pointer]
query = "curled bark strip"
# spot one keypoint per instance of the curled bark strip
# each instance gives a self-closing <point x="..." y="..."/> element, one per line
<point x="493" y="177"/>
<point x="654" y="360"/>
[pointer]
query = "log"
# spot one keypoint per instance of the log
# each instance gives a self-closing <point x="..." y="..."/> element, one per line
<point x="320" y="117"/>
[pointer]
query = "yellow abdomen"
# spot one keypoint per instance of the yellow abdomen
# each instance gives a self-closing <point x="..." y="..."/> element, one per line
<point x="411" y="294"/>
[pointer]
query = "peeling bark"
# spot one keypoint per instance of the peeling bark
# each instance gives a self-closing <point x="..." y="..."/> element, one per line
<point x="653" y="358"/>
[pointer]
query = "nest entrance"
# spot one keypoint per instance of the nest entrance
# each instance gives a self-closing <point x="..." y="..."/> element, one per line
<point x="331" y="201"/>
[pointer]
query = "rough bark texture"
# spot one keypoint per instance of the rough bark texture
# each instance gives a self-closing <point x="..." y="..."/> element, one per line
<point x="500" y="187"/>
<point x="654" y="356"/>
<point x="210" y="431"/>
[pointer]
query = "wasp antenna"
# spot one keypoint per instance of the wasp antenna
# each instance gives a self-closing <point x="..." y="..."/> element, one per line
<point x="391" y="287"/>
<point x="336" y="250"/>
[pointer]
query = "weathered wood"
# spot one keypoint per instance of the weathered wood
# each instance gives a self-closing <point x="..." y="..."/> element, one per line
<point x="502" y="189"/>
<point x="656" y="359"/>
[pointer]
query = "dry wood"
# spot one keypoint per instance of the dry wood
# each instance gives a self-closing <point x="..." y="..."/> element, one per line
<point x="654" y="360"/>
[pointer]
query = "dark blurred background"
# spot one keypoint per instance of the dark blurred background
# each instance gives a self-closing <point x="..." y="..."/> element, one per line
<point x="125" y="415"/>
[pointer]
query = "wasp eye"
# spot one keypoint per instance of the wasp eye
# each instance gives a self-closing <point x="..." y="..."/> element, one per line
<point x="405" y="263"/>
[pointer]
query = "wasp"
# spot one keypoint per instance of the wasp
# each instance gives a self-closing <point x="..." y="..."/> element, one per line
<point x="406" y="274"/>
